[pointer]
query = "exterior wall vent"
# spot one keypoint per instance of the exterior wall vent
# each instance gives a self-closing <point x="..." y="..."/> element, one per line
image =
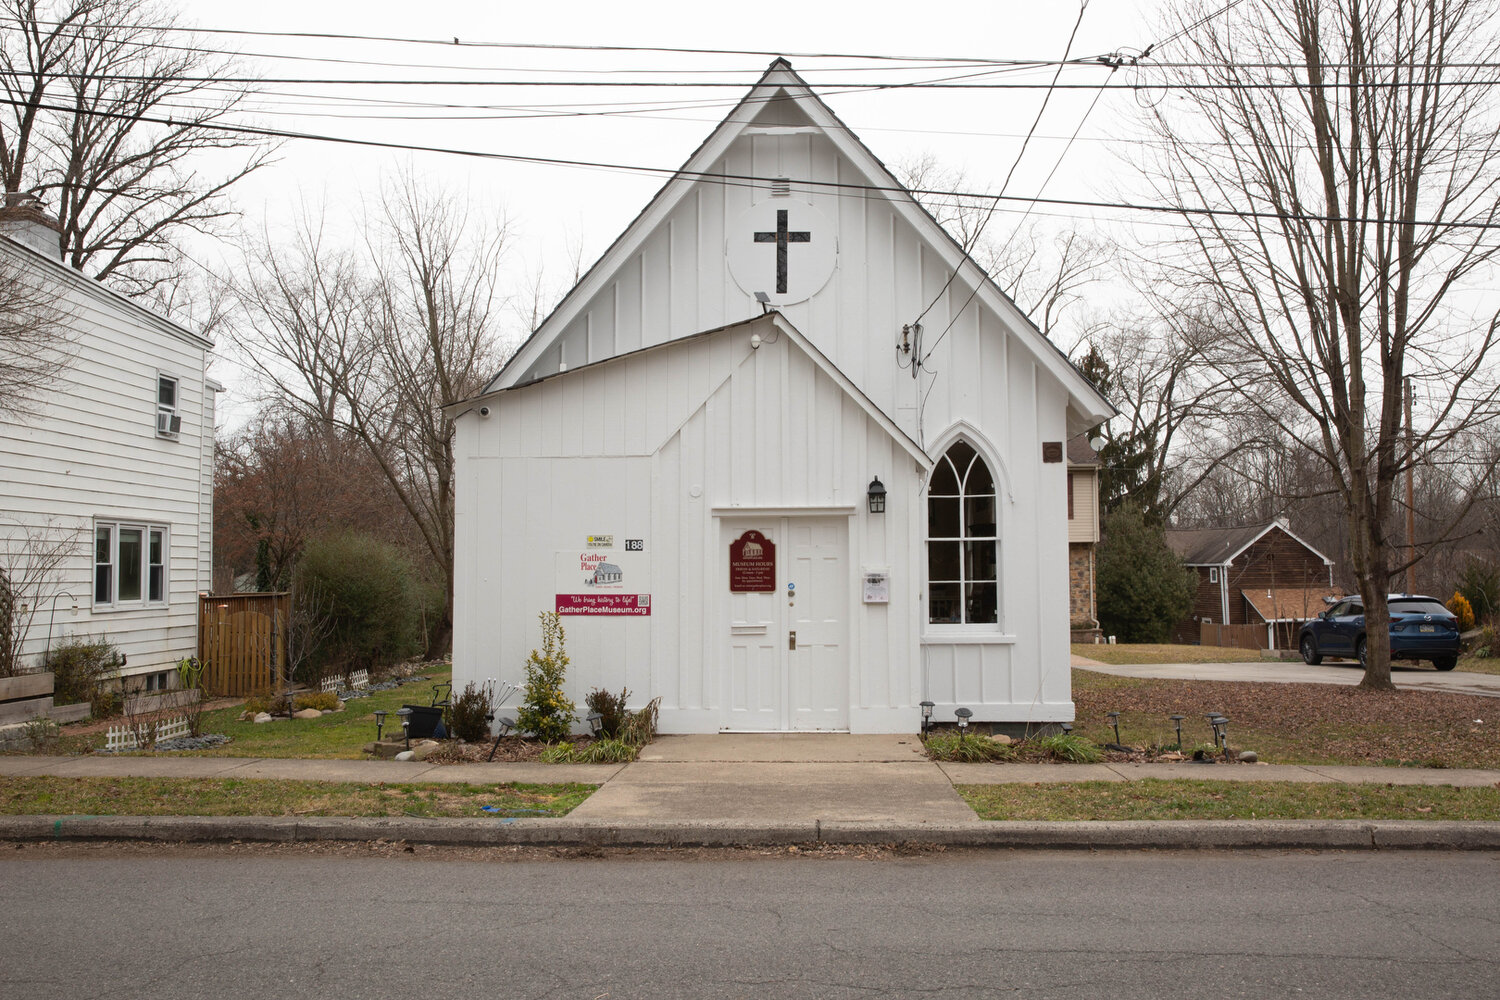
<point x="781" y="187"/>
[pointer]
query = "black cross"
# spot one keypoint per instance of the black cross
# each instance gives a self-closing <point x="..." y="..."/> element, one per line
<point x="781" y="238"/>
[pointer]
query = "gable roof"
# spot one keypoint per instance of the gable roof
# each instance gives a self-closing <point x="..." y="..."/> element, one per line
<point x="770" y="325"/>
<point x="1222" y="546"/>
<point x="1080" y="452"/>
<point x="96" y="289"/>
<point x="780" y="79"/>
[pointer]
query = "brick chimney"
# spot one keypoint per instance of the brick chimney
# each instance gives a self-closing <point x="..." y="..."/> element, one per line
<point x="23" y="220"/>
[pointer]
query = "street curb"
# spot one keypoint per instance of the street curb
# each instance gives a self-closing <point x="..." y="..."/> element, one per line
<point x="1123" y="835"/>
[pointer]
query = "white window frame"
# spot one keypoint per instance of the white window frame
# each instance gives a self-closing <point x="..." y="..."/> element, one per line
<point x="955" y="630"/>
<point x="112" y="600"/>
<point x="1213" y="574"/>
<point x="171" y="410"/>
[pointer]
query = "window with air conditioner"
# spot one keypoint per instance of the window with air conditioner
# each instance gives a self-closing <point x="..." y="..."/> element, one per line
<point x="168" y="421"/>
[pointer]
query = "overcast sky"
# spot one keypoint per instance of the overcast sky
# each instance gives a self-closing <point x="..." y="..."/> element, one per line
<point x="554" y="209"/>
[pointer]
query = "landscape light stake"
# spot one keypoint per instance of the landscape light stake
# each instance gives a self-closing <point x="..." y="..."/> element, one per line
<point x="596" y="723"/>
<point x="927" y="708"/>
<point x="380" y="714"/>
<point x="962" y="715"/>
<point x="506" y="725"/>
<point x="1114" y="722"/>
<point x="405" y="714"/>
<point x="1178" y="720"/>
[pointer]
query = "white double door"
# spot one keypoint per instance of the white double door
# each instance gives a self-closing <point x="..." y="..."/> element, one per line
<point x="787" y="666"/>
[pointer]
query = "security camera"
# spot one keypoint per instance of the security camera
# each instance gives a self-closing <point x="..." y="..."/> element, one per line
<point x="484" y="411"/>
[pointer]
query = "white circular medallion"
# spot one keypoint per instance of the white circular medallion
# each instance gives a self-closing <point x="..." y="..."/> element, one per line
<point x="785" y="248"/>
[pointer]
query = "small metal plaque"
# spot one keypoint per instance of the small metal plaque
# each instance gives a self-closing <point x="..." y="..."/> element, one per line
<point x="1052" y="451"/>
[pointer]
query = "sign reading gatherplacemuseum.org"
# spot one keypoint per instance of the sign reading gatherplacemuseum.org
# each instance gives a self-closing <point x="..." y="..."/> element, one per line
<point x="592" y="582"/>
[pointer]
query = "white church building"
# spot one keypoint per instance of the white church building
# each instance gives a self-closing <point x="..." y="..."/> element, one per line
<point x="819" y="451"/>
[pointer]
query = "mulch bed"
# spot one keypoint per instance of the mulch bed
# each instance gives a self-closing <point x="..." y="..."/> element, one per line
<point x="513" y="749"/>
<point x="1302" y="723"/>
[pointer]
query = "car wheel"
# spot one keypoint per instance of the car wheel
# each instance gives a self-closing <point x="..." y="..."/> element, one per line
<point x="1360" y="652"/>
<point x="1310" y="652"/>
<point x="1445" y="662"/>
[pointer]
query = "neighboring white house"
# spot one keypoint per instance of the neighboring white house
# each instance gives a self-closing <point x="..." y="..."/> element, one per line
<point x="114" y="467"/>
<point x="836" y="472"/>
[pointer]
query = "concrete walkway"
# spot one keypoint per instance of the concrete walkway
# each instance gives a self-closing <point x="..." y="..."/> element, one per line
<point x="1297" y="672"/>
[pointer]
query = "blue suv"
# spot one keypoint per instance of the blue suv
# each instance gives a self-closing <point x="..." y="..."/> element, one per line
<point x="1421" y="629"/>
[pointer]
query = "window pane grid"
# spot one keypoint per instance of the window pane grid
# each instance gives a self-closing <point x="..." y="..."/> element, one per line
<point x="962" y="540"/>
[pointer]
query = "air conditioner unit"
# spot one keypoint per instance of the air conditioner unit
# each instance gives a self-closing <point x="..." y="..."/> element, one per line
<point x="168" y="424"/>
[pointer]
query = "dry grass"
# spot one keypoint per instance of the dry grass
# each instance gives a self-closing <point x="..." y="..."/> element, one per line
<point x="30" y="796"/>
<point x="1155" y="799"/>
<point x="1297" y="723"/>
<point x="1164" y="653"/>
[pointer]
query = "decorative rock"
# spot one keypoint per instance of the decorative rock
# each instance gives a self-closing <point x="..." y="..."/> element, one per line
<point x="1172" y="755"/>
<point x="1248" y="756"/>
<point x="262" y="717"/>
<point x="423" y="750"/>
<point x="1002" y="739"/>
<point x="405" y="755"/>
<point x="309" y="713"/>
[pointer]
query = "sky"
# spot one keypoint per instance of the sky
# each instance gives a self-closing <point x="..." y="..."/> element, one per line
<point x="556" y="213"/>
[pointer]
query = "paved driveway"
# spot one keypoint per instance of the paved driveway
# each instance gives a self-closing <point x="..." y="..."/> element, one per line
<point x="1296" y="672"/>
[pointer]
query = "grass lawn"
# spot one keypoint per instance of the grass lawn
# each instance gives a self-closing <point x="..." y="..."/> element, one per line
<point x="1164" y="653"/>
<point x="230" y="797"/>
<point x="337" y="735"/>
<point x="1297" y="723"/>
<point x="1479" y="665"/>
<point x="1155" y="799"/>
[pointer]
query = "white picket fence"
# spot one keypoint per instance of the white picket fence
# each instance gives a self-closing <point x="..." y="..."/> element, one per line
<point x="357" y="680"/>
<point x="131" y="737"/>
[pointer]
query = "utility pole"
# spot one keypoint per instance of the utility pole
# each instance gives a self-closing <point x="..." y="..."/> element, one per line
<point x="1411" y="507"/>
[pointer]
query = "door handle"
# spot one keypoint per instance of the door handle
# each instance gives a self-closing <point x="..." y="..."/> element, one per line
<point x="791" y="639"/>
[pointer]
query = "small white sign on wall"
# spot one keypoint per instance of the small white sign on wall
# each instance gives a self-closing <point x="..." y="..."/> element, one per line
<point x="877" y="586"/>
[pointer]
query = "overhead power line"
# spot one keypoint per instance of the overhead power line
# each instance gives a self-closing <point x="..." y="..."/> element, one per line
<point x="834" y="187"/>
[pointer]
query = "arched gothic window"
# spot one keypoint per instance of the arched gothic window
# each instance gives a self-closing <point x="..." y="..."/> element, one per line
<point x="962" y="540"/>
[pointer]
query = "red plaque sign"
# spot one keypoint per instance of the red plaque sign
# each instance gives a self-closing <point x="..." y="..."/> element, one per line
<point x="752" y="564"/>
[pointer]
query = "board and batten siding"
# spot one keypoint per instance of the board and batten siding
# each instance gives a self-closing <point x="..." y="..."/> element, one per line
<point x="711" y="429"/>
<point x="90" y="452"/>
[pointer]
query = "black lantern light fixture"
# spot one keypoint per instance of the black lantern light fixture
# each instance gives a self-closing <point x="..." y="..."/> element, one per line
<point x="596" y="723"/>
<point x="380" y="714"/>
<point x="963" y="715"/>
<point x="405" y="715"/>
<point x="877" y="496"/>
<point x="927" y="708"/>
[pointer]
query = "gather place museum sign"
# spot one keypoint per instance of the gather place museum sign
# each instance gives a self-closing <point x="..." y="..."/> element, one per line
<point x="752" y="564"/>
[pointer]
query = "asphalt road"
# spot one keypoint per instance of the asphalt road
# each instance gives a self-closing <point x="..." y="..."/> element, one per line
<point x="1417" y="678"/>
<point x="269" y="924"/>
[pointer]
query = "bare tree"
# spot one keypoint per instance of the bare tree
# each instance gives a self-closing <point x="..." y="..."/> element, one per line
<point x="35" y="341"/>
<point x="377" y="345"/>
<point x="1348" y="151"/>
<point x="1044" y="272"/>
<point x="105" y="117"/>
<point x="31" y="560"/>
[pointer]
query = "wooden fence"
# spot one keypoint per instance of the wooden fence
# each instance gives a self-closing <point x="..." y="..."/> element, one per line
<point x="1235" y="636"/>
<point x="242" y="641"/>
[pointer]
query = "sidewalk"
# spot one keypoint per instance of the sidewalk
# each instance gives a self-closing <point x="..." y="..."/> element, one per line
<point x="756" y="790"/>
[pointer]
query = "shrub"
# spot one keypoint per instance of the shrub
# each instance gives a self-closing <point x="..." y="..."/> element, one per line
<point x="323" y="701"/>
<point x="84" y="669"/>
<point x="548" y="712"/>
<point x="468" y="714"/>
<point x="969" y="748"/>
<point x="373" y="602"/>
<point x="640" y="725"/>
<point x="192" y="696"/>
<point x="1069" y="747"/>
<point x="611" y="708"/>
<point x="1142" y="585"/>
<point x="1462" y="610"/>
<point x="1480" y="585"/>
